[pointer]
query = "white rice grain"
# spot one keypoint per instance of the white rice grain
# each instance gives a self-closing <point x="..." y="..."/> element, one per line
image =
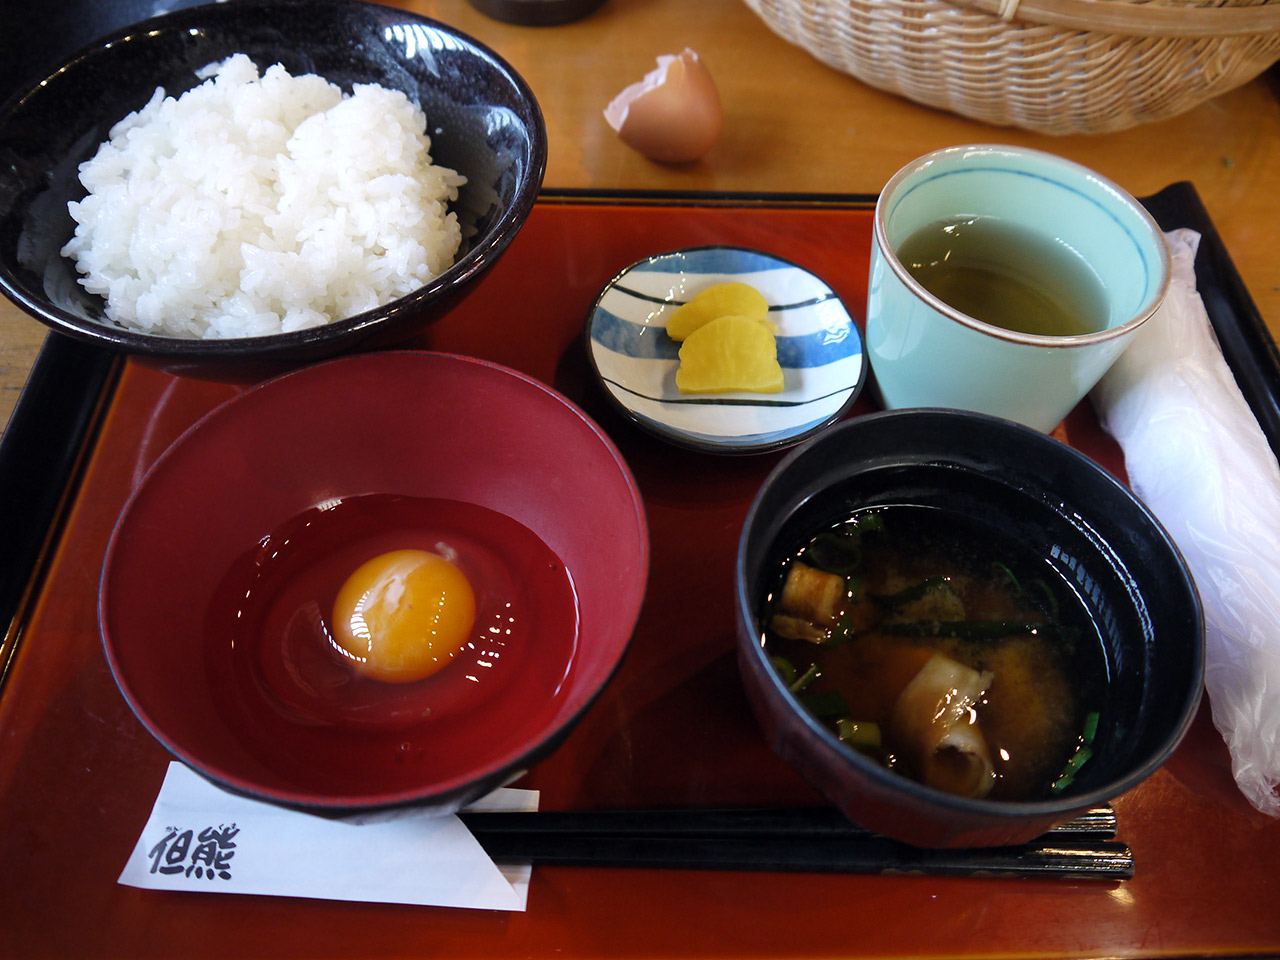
<point x="254" y="205"/>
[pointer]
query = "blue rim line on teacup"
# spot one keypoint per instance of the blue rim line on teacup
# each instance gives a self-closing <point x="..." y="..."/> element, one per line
<point x="1163" y="266"/>
<point x="822" y="356"/>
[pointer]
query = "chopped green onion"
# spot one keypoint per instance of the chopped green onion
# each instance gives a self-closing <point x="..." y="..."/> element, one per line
<point x="785" y="670"/>
<point x="996" y="564"/>
<point x="870" y="523"/>
<point x="825" y="703"/>
<point x="1083" y="753"/>
<point x="1090" y="726"/>
<point x="804" y="679"/>
<point x="1050" y="600"/>
<point x="858" y="734"/>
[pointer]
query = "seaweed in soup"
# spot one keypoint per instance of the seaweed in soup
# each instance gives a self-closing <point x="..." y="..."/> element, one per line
<point x="943" y="649"/>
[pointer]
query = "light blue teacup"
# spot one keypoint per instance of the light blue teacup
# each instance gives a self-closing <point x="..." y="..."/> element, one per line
<point x="926" y="353"/>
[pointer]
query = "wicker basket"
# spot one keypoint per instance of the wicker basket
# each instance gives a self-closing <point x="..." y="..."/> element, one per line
<point x="1053" y="66"/>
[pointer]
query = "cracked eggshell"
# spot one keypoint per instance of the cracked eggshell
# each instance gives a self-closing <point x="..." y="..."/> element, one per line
<point x="673" y="115"/>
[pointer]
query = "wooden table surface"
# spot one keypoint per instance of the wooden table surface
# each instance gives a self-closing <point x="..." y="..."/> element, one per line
<point x="794" y="124"/>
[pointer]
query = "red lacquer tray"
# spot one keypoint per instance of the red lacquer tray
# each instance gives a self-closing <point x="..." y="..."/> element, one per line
<point x="78" y="774"/>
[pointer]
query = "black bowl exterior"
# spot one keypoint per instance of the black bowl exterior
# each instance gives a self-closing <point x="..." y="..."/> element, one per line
<point x="1099" y="537"/>
<point x="483" y="121"/>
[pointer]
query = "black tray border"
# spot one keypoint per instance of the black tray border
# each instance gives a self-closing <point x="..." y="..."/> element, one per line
<point x="55" y="420"/>
<point x="42" y="451"/>
<point x="1246" y="343"/>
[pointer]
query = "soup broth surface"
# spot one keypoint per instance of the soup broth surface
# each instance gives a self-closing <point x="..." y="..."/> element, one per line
<point x="1007" y="275"/>
<point x="915" y="582"/>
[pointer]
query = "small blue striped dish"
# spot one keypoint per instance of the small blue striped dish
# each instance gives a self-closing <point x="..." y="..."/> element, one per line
<point x="819" y="350"/>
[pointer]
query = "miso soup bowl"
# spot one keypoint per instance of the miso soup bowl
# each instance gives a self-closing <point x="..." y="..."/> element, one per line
<point x="1096" y="535"/>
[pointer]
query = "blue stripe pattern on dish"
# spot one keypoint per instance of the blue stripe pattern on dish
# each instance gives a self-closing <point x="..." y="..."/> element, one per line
<point x="819" y="350"/>
<point x="707" y="260"/>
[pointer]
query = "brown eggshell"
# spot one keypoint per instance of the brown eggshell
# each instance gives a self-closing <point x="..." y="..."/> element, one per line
<point x="673" y="115"/>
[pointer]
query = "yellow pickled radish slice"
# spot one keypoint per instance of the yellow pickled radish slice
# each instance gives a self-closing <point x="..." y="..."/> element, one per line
<point x="717" y="300"/>
<point x="730" y="353"/>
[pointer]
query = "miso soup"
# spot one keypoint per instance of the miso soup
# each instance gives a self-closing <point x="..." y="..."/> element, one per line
<point x="1006" y="275"/>
<point x="948" y="653"/>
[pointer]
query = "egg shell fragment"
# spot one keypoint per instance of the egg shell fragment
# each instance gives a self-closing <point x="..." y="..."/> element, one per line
<point x="672" y="115"/>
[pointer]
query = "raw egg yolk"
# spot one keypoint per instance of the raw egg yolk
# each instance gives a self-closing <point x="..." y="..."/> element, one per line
<point x="403" y="615"/>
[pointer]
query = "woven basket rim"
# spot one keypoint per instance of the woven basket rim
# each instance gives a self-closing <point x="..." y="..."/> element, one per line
<point x="1151" y="18"/>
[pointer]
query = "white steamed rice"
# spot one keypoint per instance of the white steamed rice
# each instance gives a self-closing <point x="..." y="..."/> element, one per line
<point x="253" y="205"/>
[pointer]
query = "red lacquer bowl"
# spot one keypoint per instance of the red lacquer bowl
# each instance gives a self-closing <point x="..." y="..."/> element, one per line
<point x="225" y="563"/>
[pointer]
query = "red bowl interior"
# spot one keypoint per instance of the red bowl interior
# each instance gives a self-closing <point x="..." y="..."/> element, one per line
<point x="409" y="424"/>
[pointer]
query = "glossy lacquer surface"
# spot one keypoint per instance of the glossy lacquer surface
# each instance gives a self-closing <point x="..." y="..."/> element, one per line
<point x="78" y="773"/>
<point x="485" y="124"/>
<point x="242" y="534"/>
<point x="1022" y="488"/>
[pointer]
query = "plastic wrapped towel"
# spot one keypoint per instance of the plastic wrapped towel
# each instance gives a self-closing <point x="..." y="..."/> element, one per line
<point x="1195" y="454"/>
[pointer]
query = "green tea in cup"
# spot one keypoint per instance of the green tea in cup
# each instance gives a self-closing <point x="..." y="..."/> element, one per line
<point x="1007" y="275"/>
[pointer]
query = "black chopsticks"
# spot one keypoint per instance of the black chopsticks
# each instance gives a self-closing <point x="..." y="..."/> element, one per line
<point x="810" y="840"/>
